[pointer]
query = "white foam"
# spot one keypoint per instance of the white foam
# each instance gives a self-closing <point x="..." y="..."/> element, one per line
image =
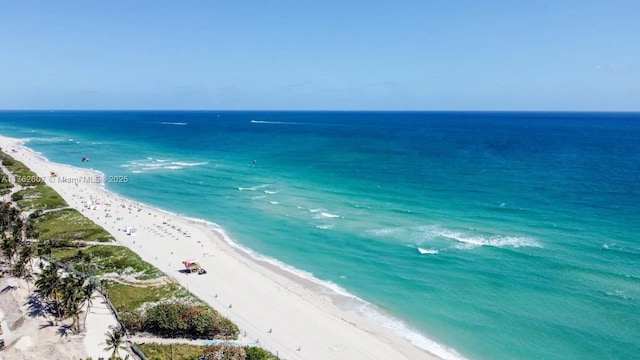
<point x="328" y="215"/>
<point x="275" y="122"/>
<point x="413" y="336"/>
<point x="384" y="232"/>
<point x="424" y="234"/>
<point x="41" y="139"/>
<point x="273" y="202"/>
<point x="171" y="123"/>
<point x="151" y="163"/>
<point x="186" y="163"/>
<point x="253" y="188"/>
<point x="40" y="156"/>
<point x="427" y="251"/>
<point x="618" y="293"/>
<point x="270" y="192"/>
<point x="469" y="242"/>
<point x="324" y="226"/>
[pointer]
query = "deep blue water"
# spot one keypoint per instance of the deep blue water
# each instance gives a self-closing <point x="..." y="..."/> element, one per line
<point x="528" y="222"/>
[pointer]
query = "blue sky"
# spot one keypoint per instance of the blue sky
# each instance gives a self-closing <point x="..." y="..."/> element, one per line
<point x="321" y="55"/>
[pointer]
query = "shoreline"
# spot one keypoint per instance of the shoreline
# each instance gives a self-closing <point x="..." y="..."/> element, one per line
<point x="287" y="310"/>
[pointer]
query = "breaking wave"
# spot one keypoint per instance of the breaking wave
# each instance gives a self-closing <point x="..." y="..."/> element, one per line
<point x="438" y="237"/>
<point x="153" y="164"/>
<point x="275" y="122"/>
<point x="171" y="123"/>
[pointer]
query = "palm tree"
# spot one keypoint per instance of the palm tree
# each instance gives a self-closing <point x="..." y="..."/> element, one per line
<point x="4" y="215"/>
<point x="72" y="299"/>
<point x="8" y="215"/>
<point x="49" y="285"/>
<point x="9" y="247"/>
<point x="48" y="281"/>
<point x="115" y="342"/>
<point x="23" y="266"/>
<point x="87" y="292"/>
<point x="17" y="229"/>
<point x="30" y="231"/>
<point x="45" y="247"/>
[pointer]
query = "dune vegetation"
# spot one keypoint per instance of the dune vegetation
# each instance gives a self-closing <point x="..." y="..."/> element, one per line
<point x="38" y="225"/>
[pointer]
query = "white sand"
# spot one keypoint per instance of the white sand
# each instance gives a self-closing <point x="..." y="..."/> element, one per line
<point x="100" y="320"/>
<point x="37" y="337"/>
<point x="285" y="313"/>
<point x="32" y="337"/>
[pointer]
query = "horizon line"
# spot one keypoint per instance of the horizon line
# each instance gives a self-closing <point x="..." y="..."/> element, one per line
<point x="318" y="110"/>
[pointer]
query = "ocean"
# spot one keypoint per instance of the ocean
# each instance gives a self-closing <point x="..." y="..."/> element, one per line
<point x="497" y="235"/>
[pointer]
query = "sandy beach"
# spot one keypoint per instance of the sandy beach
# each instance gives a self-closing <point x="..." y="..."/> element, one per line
<point x="29" y="334"/>
<point x="286" y="314"/>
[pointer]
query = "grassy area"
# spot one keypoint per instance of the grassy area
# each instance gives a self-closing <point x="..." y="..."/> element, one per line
<point x="173" y="351"/>
<point x="192" y="352"/>
<point x="102" y="259"/>
<point x="23" y="175"/>
<point x="66" y="225"/>
<point x="38" y="198"/>
<point x="127" y="298"/>
<point x="5" y="183"/>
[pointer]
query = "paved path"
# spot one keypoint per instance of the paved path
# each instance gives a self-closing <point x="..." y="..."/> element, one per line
<point x="100" y="320"/>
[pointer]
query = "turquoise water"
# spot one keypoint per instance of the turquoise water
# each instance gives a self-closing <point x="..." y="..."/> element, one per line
<point x="499" y="235"/>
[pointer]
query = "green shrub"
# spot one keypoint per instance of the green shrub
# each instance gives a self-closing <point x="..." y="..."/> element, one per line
<point x="224" y="352"/>
<point x="7" y="160"/>
<point x="17" y="196"/>
<point x="5" y="183"/>
<point x="181" y="319"/>
<point x="133" y="321"/>
<point x="256" y="353"/>
<point x="225" y="328"/>
<point x="200" y="324"/>
<point x="164" y="319"/>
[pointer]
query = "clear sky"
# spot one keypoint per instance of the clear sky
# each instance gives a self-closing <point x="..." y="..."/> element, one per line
<point x="321" y="55"/>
